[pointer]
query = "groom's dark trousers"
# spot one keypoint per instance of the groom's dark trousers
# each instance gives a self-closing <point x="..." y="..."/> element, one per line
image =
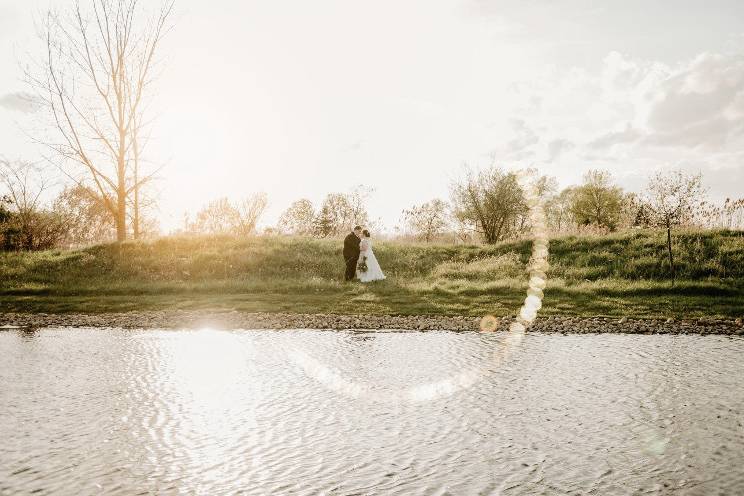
<point x="351" y="264"/>
<point x="351" y="255"/>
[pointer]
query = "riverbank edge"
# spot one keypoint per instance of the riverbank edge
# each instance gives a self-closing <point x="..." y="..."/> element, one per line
<point x="194" y="319"/>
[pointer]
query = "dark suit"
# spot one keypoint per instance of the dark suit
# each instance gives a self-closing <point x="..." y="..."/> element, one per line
<point x="351" y="255"/>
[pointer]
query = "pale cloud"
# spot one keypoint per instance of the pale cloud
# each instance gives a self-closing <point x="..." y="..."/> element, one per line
<point x="699" y="104"/>
<point x="19" y="102"/>
<point x="612" y="138"/>
<point x="524" y="139"/>
<point x="559" y="146"/>
<point x="724" y="182"/>
<point x="300" y="99"/>
<point x="620" y="74"/>
<point x="8" y="17"/>
<point x="631" y="115"/>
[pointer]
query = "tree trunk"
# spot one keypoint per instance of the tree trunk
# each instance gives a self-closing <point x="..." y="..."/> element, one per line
<point x="669" y="249"/>
<point x="111" y="55"/>
<point x="121" y="190"/>
<point x="136" y="218"/>
<point x="497" y="234"/>
<point x="121" y="198"/>
<point x="121" y="214"/>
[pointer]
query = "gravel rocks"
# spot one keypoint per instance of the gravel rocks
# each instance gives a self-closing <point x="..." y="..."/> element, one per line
<point x="194" y="319"/>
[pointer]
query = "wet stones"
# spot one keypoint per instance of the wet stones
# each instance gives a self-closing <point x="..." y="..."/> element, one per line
<point x="194" y="319"/>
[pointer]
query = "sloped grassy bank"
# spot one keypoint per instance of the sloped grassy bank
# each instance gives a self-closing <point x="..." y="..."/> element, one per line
<point x="618" y="275"/>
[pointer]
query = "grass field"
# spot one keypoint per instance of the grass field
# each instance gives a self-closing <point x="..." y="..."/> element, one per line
<point x="622" y="274"/>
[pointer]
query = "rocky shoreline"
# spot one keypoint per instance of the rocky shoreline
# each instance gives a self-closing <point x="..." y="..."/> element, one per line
<point x="194" y="319"/>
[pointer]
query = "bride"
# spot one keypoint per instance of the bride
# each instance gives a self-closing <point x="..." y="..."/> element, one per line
<point x="368" y="269"/>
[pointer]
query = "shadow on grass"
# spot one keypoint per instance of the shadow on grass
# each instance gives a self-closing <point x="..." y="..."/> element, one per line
<point x="651" y="291"/>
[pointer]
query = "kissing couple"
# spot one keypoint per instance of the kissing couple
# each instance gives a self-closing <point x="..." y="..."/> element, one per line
<point x="361" y="262"/>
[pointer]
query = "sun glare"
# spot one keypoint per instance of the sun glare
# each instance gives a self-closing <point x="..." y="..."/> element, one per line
<point x="208" y="375"/>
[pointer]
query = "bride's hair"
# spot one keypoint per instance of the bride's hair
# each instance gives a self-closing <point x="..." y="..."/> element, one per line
<point x="365" y="233"/>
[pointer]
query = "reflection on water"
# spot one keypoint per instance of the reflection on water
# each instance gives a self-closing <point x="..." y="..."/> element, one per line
<point x="208" y="412"/>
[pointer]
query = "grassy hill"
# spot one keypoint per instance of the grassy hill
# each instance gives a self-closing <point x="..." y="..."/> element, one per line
<point x="622" y="274"/>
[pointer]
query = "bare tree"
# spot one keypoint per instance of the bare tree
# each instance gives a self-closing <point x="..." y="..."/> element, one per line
<point x="249" y="212"/>
<point x="33" y="227"/>
<point x="217" y="217"/>
<point x="94" y="81"/>
<point x="428" y="219"/>
<point x="732" y="214"/>
<point x="357" y="200"/>
<point x="142" y="207"/>
<point x="463" y="229"/>
<point x="670" y="200"/>
<point x="223" y="217"/>
<point x="139" y="202"/>
<point x="24" y="184"/>
<point x="729" y="215"/>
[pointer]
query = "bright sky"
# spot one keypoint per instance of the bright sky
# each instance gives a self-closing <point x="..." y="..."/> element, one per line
<point x="300" y="98"/>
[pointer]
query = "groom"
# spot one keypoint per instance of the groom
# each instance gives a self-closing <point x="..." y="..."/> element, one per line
<point x="351" y="252"/>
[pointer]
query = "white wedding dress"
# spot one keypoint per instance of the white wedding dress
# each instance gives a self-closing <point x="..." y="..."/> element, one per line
<point x="374" y="272"/>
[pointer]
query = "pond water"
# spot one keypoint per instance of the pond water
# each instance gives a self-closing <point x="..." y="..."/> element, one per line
<point x="86" y="411"/>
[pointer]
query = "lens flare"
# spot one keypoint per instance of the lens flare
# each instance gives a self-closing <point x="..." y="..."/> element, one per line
<point x="537" y="269"/>
<point x="489" y="323"/>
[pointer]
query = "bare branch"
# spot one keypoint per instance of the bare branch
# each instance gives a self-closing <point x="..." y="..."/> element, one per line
<point x="93" y="83"/>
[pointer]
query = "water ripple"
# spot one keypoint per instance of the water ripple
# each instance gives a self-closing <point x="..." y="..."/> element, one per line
<point x="87" y="411"/>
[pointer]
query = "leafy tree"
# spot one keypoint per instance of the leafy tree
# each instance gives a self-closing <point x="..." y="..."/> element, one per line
<point x="5" y="213"/>
<point x="298" y="218"/>
<point x="671" y="201"/>
<point x="6" y="222"/>
<point x="597" y="201"/>
<point x="545" y="185"/>
<point x="427" y="220"/>
<point x="88" y="220"/>
<point x="558" y="210"/>
<point x="492" y="202"/>
<point x="336" y="213"/>
<point x="339" y="212"/>
<point x="325" y="223"/>
<point x="632" y="212"/>
<point x="45" y="229"/>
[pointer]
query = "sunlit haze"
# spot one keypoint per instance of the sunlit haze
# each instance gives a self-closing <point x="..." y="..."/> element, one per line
<point x="299" y="99"/>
